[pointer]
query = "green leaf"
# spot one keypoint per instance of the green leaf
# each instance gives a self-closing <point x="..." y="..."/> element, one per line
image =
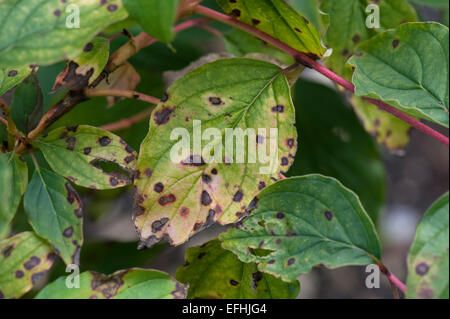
<point x="334" y="143"/>
<point x="398" y="68"/>
<point x="388" y="130"/>
<point x="240" y="43"/>
<point x="279" y="20"/>
<point x="347" y="27"/>
<point x="132" y="283"/>
<point x="13" y="182"/>
<point x="428" y="257"/>
<point x="45" y="31"/>
<point x="215" y="273"/>
<point x="155" y="16"/>
<point x="11" y="76"/>
<point x="24" y="261"/>
<point x="86" y="67"/>
<point x="77" y="153"/>
<point x="309" y="8"/>
<point x="55" y="212"/>
<point x="27" y="106"/>
<point x="302" y="222"/>
<point x="202" y="188"/>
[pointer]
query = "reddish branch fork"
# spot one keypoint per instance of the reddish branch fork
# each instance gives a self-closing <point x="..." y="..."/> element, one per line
<point x="306" y="60"/>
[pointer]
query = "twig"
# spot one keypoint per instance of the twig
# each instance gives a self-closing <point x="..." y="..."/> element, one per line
<point x="394" y="281"/>
<point x="121" y="93"/>
<point x="309" y="62"/>
<point x="128" y="122"/>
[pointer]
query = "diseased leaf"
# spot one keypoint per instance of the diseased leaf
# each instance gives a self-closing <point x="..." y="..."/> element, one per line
<point x="347" y="26"/>
<point x="11" y="76"/>
<point x="55" y="212"/>
<point x="155" y="16"/>
<point x="387" y="129"/>
<point x="132" y="283"/>
<point x="309" y="8"/>
<point x="215" y="273"/>
<point x="179" y="194"/>
<point x="13" y="182"/>
<point x="240" y="43"/>
<point x="428" y="257"/>
<point x="86" y="67"/>
<point x="48" y="31"/>
<point x="24" y="260"/>
<point x="398" y="68"/>
<point x="27" y="106"/>
<point x="78" y="152"/>
<point x="279" y="20"/>
<point x="334" y="143"/>
<point x="302" y="222"/>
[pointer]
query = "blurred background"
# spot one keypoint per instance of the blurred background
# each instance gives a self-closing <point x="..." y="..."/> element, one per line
<point x="396" y="187"/>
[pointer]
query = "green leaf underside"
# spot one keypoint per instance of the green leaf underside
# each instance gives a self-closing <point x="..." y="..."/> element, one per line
<point x="347" y="27"/>
<point x="11" y="76"/>
<point x="279" y="20"/>
<point x="240" y="43"/>
<point x="55" y="212"/>
<point x="302" y="222"/>
<point x="77" y="152"/>
<point x="215" y="273"/>
<point x="35" y="31"/>
<point x="230" y="93"/>
<point x="428" y="257"/>
<point x="24" y="261"/>
<point x="132" y="283"/>
<point x="334" y="143"/>
<point x="155" y="16"/>
<point x="407" y="68"/>
<point x="13" y="182"/>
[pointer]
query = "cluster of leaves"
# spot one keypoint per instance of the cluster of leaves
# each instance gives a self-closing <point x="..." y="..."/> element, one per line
<point x="283" y="227"/>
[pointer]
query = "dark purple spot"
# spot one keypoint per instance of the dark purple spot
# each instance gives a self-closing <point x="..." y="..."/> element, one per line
<point x="104" y="141"/>
<point x="159" y="224"/>
<point x="165" y="97"/>
<point x="422" y="269"/>
<point x="256" y="21"/>
<point x="356" y="38"/>
<point x="112" y="7"/>
<point x="280" y="215"/>
<point x="206" y="178"/>
<point x="205" y="199"/>
<point x="113" y="181"/>
<point x="291" y="261"/>
<point x="395" y="43"/>
<point x="19" y="274"/>
<point x="236" y="13"/>
<point x="290" y="142"/>
<point x="215" y="100"/>
<point x="234" y="282"/>
<point x="159" y="187"/>
<point x="278" y="108"/>
<point x="284" y="161"/>
<point x="33" y="262"/>
<point x="12" y="73"/>
<point x="148" y="172"/>
<point x="57" y="12"/>
<point x="328" y="215"/>
<point x="68" y="232"/>
<point x="214" y="171"/>
<point x="163" y="116"/>
<point x="129" y="159"/>
<point x="261" y="185"/>
<point x="168" y="199"/>
<point x="238" y="196"/>
<point x="88" y="47"/>
<point x="6" y="252"/>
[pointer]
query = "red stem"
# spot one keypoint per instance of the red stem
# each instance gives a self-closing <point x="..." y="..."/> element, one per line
<point x="306" y="60"/>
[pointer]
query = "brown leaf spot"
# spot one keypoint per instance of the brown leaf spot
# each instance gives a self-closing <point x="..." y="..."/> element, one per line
<point x="163" y="116"/>
<point x="104" y="141"/>
<point x="68" y="232"/>
<point x="422" y="269"/>
<point x="158" y="187"/>
<point x="238" y="196"/>
<point x="159" y="224"/>
<point x="6" y="252"/>
<point x="205" y="199"/>
<point x="18" y="274"/>
<point x="184" y="211"/>
<point x="166" y="200"/>
<point x="32" y="262"/>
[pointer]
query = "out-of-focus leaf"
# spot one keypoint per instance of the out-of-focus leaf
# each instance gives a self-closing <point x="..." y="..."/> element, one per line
<point x="302" y="222"/>
<point x="13" y="182"/>
<point x="278" y="19"/>
<point x="215" y="273"/>
<point x="24" y="261"/>
<point x="48" y="31"/>
<point x="428" y="265"/>
<point x="334" y="143"/>
<point x="132" y="283"/>
<point x="124" y="78"/>
<point x="240" y="43"/>
<point x="11" y="76"/>
<point x="155" y="16"/>
<point x="433" y="3"/>
<point x="27" y="105"/>
<point x="387" y="129"/>
<point x="86" y="67"/>
<point x="78" y="152"/>
<point x="200" y="189"/>
<point x="55" y="213"/>
<point x="398" y="68"/>
<point x="309" y="8"/>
